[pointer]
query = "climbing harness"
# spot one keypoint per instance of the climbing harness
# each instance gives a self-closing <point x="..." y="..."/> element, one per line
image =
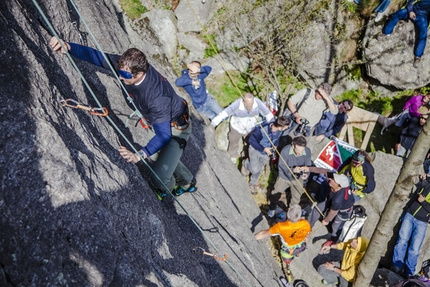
<point x="213" y="255"/>
<point x="71" y="103"/>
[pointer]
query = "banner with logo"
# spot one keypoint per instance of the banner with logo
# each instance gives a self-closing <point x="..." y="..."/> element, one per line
<point x="334" y="154"/>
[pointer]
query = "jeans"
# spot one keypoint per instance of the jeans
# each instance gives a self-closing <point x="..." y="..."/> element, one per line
<point x="210" y="108"/>
<point x="168" y="165"/>
<point x="412" y="230"/>
<point x="255" y="164"/>
<point x="421" y="23"/>
<point x="383" y="6"/>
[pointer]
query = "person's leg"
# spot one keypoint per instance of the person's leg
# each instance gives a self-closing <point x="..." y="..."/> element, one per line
<point x="343" y="282"/>
<point x="401" y="151"/>
<point x="255" y="164"/>
<point x="417" y="238"/>
<point x="278" y="197"/>
<point x="422" y="27"/>
<point x="213" y="105"/>
<point x="315" y="214"/>
<point x="402" y="242"/>
<point x="233" y="142"/>
<point x="402" y="14"/>
<point x="296" y="191"/>
<point x="338" y="223"/>
<point x="328" y="275"/>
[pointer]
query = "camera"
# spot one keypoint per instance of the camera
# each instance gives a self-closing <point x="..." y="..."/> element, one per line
<point x="302" y="128"/>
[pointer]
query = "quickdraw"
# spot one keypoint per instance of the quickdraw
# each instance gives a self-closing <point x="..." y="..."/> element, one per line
<point x="214" y="256"/>
<point x="76" y="105"/>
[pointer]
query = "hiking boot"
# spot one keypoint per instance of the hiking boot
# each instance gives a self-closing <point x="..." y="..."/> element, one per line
<point x="253" y="188"/>
<point x="243" y="170"/>
<point x="395" y="269"/>
<point x="417" y="61"/>
<point x="178" y="190"/>
<point x="379" y="17"/>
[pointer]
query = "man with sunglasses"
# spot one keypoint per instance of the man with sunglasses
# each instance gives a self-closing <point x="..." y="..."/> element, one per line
<point x="331" y="124"/>
<point x="409" y="134"/>
<point x="158" y="103"/>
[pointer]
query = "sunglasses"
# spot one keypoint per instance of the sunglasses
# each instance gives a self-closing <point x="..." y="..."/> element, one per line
<point x="125" y="75"/>
<point x="422" y="117"/>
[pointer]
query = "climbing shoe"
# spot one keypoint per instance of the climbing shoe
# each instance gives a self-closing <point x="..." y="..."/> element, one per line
<point x="178" y="190"/>
<point x="160" y="195"/>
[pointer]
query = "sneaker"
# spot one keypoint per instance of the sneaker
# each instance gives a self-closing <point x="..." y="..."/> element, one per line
<point x="285" y="282"/>
<point x="379" y="17"/>
<point x="233" y="159"/>
<point x="178" y="190"/>
<point x="417" y="61"/>
<point x="253" y="189"/>
<point x="325" y="282"/>
<point x="160" y="194"/>
<point x="328" y="243"/>
<point x="243" y="170"/>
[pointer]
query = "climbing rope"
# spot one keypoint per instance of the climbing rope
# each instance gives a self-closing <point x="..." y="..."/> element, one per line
<point x="54" y="33"/>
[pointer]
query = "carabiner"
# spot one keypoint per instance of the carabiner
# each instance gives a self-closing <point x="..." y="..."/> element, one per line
<point x="99" y="112"/>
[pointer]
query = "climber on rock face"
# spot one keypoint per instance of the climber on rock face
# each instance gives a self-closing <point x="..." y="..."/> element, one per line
<point x="158" y="103"/>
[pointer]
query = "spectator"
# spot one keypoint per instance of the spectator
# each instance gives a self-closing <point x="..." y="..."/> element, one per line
<point x="338" y="204"/>
<point x="159" y="104"/>
<point x="412" y="231"/>
<point x="263" y="141"/>
<point x="426" y="163"/>
<point x="307" y="106"/>
<point x="410" y="110"/>
<point x="193" y="81"/>
<point x="409" y="134"/>
<point x="337" y="264"/>
<point x="418" y="13"/>
<point x="330" y="124"/>
<point x="244" y="114"/>
<point x="292" y="233"/>
<point x="292" y="160"/>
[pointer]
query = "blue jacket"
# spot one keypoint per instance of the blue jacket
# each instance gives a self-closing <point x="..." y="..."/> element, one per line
<point x="198" y="94"/>
<point x="420" y="8"/>
<point x="330" y="124"/>
<point x="410" y="132"/>
<point x="259" y="140"/>
<point x="155" y="98"/>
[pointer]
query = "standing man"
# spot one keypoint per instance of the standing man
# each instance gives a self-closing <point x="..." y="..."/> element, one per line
<point x="157" y="101"/>
<point x="330" y="124"/>
<point x="309" y="105"/>
<point x="292" y="160"/>
<point x="412" y="231"/>
<point x="193" y="81"/>
<point x="244" y="114"/>
<point x="337" y="263"/>
<point x="292" y="233"/>
<point x="262" y="144"/>
<point x="409" y="134"/>
<point x="418" y="13"/>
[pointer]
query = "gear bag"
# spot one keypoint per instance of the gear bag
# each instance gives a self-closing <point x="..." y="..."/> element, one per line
<point x="353" y="226"/>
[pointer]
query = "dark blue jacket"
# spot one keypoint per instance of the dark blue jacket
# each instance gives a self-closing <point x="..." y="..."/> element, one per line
<point x="198" y="94"/>
<point x="410" y="132"/>
<point x="420" y="8"/>
<point x="259" y="140"/>
<point x="155" y="98"/>
<point x="330" y="124"/>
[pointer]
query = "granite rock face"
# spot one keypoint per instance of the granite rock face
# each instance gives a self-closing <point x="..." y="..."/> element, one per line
<point x="74" y="213"/>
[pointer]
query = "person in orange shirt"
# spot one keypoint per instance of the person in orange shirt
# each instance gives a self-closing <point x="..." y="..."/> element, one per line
<point x="292" y="232"/>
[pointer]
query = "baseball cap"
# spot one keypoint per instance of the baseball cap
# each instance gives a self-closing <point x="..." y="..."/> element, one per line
<point x="341" y="179"/>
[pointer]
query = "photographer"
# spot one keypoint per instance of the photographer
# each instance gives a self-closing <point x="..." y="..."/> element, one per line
<point x="308" y="106"/>
<point x="294" y="158"/>
<point x="262" y="142"/>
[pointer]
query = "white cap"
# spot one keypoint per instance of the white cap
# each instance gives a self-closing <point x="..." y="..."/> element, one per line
<point x="341" y="179"/>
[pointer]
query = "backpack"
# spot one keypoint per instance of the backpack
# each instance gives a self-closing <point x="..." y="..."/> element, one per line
<point x="353" y="226"/>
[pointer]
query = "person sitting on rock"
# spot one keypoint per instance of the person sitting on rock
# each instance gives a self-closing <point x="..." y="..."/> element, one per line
<point x="244" y="114"/>
<point x="192" y="80"/>
<point x="418" y="13"/>
<point x="263" y="141"/>
<point x="293" y="233"/>
<point x="331" y="124"/>
<point x="337" y="263"/>
<point x="409" y="134"/>
<point x="410" y="110"/>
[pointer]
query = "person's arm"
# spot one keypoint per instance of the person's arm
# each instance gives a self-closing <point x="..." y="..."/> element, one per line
<point x="330" y="215"/>
<point x="184" y="80"/>
<point x="255" y="138"/>
<point x="409" y="8"/>
<point x="264" y="111"/>
<point x="319" y="170"/>
<point x="370" y="177"/>
<point x="262" y="234"/>
<point x="205" y="71"/>
<point x="292" y="107"/>
<point x="329" y="102"/>
<point x="225" y="113"/>
<point x="337" y="125"/>
<point x="163" y="135"/>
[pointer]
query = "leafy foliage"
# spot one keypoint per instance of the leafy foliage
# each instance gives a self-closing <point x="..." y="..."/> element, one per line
<point x="133" y="8"/>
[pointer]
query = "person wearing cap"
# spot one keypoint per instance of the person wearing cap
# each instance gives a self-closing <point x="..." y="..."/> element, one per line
<point x="292" y="232"/>
<point x="409" y="134"/>
<point x="192" y="80"/>
<point x="245" y="115"/>
<point x="361" y="173"/>
<point x="412" y="231"/>
<point x="337" y="263"/>
<point x="338" y="203"/>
